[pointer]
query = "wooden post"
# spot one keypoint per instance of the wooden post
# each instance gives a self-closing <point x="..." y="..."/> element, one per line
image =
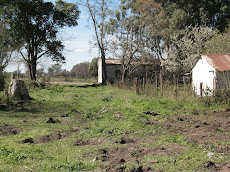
<point x="201" y="89"/>
<point x="161" y="82"/>
<point x="136" y="85"/>
<point x="214" y="87"/>
<point x="175" y="85"/>
<point x="156" y="83"/>
<point x="184" y="83"/>
<point x="144" y="84"/>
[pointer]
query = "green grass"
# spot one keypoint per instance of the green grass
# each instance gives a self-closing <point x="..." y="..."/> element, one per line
<point x="95" y="111"/>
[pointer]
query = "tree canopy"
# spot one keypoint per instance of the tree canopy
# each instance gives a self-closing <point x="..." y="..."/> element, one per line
<point x="35" y="24"/>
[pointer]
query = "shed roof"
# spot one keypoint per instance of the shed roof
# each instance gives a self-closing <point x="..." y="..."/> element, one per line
<point x="220" y="62"/>
<point x="118" y="62"/>
<point x="113" y="61"/>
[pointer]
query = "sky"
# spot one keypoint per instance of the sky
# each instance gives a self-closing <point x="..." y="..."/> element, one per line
<point x="76" y="41"/>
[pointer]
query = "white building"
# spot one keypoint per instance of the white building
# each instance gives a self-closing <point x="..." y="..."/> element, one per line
<point x="211" y="72"/>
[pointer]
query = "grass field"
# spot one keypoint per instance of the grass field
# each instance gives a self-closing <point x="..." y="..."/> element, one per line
<point x="98" y="128"/>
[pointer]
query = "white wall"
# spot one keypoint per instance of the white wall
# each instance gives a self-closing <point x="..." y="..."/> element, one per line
<point x="203" y="73"/>
<point x="99" y="70"/>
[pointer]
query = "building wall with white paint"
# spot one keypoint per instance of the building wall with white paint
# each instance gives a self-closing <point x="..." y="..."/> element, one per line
<point x="205" y="75"/>
<point x="99" y="70"/>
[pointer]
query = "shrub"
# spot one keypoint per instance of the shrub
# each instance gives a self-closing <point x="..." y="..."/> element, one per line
<point x="2" y="83"/>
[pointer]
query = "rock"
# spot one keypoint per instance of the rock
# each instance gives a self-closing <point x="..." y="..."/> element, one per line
<point x="95" y="159"/>
<point x="18" y="90"/>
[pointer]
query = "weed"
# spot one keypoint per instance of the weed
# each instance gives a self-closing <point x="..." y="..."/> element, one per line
<point x="57" y="89"/>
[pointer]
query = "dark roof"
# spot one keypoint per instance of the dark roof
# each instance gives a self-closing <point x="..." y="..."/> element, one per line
<point x="220" y="62"/>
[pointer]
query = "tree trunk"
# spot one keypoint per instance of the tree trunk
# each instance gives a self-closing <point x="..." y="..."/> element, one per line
<point x="2" y="82"/>
<point x="124" y="73"/>
<point x="1" y="69"/>
<point x="32" y="70"/>
<point x="104" y="74"/>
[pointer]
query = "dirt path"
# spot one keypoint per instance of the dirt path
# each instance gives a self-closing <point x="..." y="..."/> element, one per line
<point x="70" y="83"/>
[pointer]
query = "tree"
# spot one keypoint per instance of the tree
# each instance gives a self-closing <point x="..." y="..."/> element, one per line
<point x="7" y="44"/>
<point x="220" y="43"/>
<point x="99" y="12"/>
<point x="127" y="27"/>
<point x="55" y="69"/>
<point x="35" y="23"/>
<point x="40" y="72"/>
<point x="186" y="47"/>
<point x="93" y="67"/>
<point x="80" y="70"/>
<point x="214" y="14"/>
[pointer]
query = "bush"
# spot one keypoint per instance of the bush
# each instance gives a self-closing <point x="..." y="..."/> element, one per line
<point x="37" y="84"/>
<point x="45" y="79"/>
<point x="2" y="83"/>
<point x="222" y="97"/>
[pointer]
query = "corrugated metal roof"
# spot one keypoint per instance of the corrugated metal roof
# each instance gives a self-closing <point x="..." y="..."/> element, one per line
<point x="220" y="62"/>
<point x="112" y="61"/>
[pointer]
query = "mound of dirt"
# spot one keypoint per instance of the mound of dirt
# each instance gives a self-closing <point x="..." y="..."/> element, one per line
<point x="216" y="166"/>
<point x="57" y="135"/>
<point x="28" y="140"/>
<point x="49" y="138"/>
<point x="126" y="140"/>
<point x="117" y="156"/>
<point x="82" y="142"/>
<point x="51" y="120"/>
<point x="8" y="131"/>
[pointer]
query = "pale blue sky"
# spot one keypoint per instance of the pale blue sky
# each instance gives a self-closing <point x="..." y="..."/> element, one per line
<point x="77" y="43"/>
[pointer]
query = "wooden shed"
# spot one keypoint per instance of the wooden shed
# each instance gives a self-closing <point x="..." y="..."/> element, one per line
<point x="114" y="69"/>
<point x="211" y="72"/>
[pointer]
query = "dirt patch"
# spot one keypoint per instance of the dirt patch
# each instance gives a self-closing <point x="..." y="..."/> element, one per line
<point x="57" y="135"/>
<point x="212" y="126"/>
<point x="69" y="83"/>
<point x="119" y="156"/>
<point x="83" y="142"/>
<point x="49" y="138"/>
<point x="217" y="167"/>
<point x="126" y="140"/>
<point x="6" y="131"/>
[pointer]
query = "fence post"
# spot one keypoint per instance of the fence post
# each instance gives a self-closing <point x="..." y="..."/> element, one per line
<point x="156" y="83"/>
<point x="144" y="84"/>
<point x="214" y="87"/>
<point x="175" y="85"/>
<point x="136" y="85"/>
<point x="184" y="84"/>
<point x="201" y="89"/>
<point x="161" y="82"/>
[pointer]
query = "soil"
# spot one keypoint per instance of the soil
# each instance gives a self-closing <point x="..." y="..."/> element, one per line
<point x="56" y="135"/>
<point x="83" y="142"/>
<point x="6" y="131"/>
<point x="202" y="128"/>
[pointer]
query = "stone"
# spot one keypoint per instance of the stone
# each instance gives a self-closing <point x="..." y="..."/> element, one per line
<point x="18" y="90"/>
